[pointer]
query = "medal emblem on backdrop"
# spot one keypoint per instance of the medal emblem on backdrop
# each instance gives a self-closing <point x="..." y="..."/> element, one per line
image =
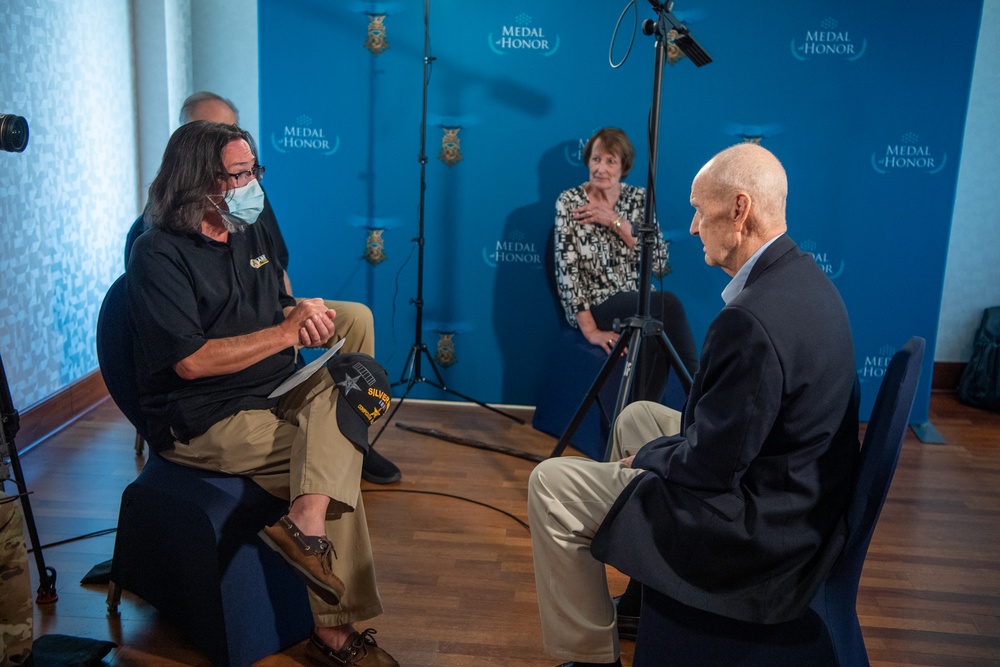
<point x="375" y="247"/>
<point x="376" y="41"/>
<point x="445" y="349"/>
<point x="451" y="149"/>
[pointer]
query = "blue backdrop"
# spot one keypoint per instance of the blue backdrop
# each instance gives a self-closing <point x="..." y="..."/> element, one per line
<point x="864" y="105"/>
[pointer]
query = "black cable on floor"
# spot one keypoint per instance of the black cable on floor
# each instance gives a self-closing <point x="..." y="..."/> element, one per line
<point x="96" y="533"/>
<point x="449" y="495"/>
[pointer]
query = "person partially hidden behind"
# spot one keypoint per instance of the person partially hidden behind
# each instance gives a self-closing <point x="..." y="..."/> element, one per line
<point x="354" y="320"/>
<point x="17" y="609"/>
<point x="215" y="332"/>
<point x="597" y="262"/>
<point x="736" y="507"/>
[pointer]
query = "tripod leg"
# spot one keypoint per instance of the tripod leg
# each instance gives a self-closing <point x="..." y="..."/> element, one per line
<point x="407" y="376"/>
<point x="675" y="361"/>
<point x="595" y="388"/>
<point x="441" y="385"/>
<point x="624" y="391"/>
<point x="399" y="403"/>
<point x="46" y="575"/>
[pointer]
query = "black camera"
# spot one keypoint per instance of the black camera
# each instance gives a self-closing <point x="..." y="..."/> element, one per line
<point x="13" y="133"/>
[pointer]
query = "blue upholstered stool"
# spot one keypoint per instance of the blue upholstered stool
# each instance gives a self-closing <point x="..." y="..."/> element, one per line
<point x="573" y="366"/>
<point x="675" y="634"/>
<point x="187" y="544"/>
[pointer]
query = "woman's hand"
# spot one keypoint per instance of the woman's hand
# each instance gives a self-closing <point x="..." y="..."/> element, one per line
<point x="603" y="339"/>
<point x="597" y="212"/>
<point x="588" y="327"/>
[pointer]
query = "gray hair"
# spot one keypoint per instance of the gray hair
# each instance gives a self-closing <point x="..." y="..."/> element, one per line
<point x="204" y="96"/>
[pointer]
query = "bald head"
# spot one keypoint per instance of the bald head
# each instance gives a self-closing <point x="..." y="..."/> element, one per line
<point x="739" y="200"/>
<point x="751" y="169"/>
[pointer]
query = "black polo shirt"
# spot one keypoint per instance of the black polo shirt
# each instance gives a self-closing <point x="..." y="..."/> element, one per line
<point x="184" y="290"/>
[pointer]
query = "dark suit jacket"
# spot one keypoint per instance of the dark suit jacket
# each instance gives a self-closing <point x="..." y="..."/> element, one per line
<point x="741" y="514"/>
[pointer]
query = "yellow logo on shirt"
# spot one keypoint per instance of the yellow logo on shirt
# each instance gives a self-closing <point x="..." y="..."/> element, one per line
<point x="258" y="262"/>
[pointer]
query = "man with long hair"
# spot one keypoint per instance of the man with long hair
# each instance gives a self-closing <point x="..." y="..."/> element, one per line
<point x="215" y="333"/>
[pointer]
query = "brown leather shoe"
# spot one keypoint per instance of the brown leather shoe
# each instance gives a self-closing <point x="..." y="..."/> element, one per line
<point x="312" y="556"/>
<point x="360" y="649"/>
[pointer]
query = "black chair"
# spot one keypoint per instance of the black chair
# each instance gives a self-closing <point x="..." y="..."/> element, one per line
<point x="187" y="538"/>
<point x="138" y="227"/>
<point x="829" y="633"/>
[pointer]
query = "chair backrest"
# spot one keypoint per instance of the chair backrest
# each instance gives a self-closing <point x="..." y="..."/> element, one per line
<point x="879" y="455"/>
<point x="137" y="228"/>
<point x="114" y="355"/>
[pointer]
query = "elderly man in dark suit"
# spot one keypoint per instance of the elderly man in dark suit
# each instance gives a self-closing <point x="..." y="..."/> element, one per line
<point x="735" y="507"/>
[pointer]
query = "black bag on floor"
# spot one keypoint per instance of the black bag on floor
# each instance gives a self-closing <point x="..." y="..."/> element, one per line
<point x="980" y="383"/>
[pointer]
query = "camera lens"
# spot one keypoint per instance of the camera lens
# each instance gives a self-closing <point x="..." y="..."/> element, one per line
<point x="13" y="133"/>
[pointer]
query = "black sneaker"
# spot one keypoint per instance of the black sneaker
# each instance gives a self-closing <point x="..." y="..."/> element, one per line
<point x="379" y="470"/>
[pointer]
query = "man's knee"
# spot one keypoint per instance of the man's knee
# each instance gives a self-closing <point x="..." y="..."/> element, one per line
<point x="538" y="480"/>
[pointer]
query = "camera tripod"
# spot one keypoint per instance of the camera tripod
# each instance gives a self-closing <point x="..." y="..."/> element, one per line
<point x="412" y="374"/>
<point x="9" y="424"/>
<point x="642" y="329"/>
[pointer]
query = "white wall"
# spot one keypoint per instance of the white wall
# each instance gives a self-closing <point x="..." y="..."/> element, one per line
<point x="224" y="54"/>
<point x="972" y="275"/>
<point x="67" y="201"/>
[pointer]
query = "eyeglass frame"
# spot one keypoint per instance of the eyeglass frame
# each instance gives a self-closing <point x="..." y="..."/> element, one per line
<point x="257" y="172"/>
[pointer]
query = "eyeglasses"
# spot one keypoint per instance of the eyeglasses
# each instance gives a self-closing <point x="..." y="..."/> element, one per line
<point x="243" y="177"/>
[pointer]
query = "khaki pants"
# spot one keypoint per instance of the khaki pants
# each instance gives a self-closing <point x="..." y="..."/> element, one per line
<point x="354" y="321"/>
<point x="568" y="498"/>
<point x="296" y="449"/>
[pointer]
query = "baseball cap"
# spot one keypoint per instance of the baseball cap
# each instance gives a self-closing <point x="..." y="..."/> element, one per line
<point x="364" y="395"/>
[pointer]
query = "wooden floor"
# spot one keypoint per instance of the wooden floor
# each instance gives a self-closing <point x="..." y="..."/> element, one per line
<point x="456" y="576"/>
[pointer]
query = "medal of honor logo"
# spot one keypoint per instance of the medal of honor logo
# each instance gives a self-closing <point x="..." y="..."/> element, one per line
<point x="451" y="149"/>
<point x="876" y="364"/>
<point x="829" y="265"/>
<point x="522" y="36"/>
<point x="513" y="250"/>
<point x="828" y="41"/>
<point x="376" y="41"/>
<point x="301" y="136"/>
<point x="908" y="155"/>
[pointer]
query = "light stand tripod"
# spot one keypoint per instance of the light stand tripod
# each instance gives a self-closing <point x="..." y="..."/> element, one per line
<point x="412" y="375"/>
<point x="642" y="329"/>
<point x="9" y="423"/>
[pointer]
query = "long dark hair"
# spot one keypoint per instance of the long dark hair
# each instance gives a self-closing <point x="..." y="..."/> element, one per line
<point x="192" y="163"/>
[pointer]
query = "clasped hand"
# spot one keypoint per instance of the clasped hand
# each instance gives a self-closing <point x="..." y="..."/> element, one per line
<point x="313" y="320"/>
<point x="595" y="212"/>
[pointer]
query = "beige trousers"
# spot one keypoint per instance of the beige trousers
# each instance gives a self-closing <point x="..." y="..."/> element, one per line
<point x="296" y="449"/>
<point x="568" y="498"/>
<point x="354" y="321"/>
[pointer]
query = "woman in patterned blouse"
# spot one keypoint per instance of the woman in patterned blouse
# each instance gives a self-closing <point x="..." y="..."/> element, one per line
<point x="597" y="262"/>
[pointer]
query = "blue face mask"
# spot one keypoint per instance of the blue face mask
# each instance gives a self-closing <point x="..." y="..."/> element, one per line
<point x="245" y="204"/>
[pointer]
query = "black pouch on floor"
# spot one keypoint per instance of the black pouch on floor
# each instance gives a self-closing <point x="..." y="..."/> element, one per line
<point x="980" y="383"/>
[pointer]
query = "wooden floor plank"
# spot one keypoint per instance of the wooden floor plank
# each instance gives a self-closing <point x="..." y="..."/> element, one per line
<point x="454" y="563"/>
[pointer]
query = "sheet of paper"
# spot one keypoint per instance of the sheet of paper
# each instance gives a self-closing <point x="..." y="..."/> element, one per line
<point x="304" y="373"/>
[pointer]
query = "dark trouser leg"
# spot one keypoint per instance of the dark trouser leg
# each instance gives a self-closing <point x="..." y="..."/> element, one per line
<point x="653" y="363"/>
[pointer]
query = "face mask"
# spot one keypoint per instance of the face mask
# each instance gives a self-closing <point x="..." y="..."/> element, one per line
<point x="245" y="204"/>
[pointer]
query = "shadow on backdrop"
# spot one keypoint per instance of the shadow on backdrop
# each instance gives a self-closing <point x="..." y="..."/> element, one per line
<point x="525" y="322"/>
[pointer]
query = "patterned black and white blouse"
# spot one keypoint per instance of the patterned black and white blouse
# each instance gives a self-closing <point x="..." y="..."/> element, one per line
<point x="592" y="261"/>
